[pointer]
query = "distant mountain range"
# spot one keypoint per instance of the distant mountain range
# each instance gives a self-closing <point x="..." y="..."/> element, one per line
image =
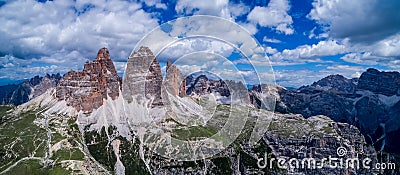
<point x="370" y="102"/>
<point x="17" y="94"/>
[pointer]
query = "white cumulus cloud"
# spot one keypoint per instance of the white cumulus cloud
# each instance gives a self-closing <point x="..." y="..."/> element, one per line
<point x="66" y="33"/>
<point x="275" y="16"/>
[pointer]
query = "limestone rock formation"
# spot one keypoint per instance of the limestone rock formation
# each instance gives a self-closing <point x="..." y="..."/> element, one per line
<point x="290" y="135"/>
<point x="202" y="85"/>
<point x="85" y="90"/>
<point x="199" y="86"/>
<point x="175" y="82"/>
<point x="234" y="89"/>
<point x="47" y="82"/>
<point x="225" y="91"/>
<point x="143" y="78"/>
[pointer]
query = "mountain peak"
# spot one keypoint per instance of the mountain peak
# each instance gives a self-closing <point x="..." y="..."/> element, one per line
<point x="372" y="70"/>
<point x="85" y="90"/>
<point x="176" y="82"/>
<point x="143" y="51"/>
<point x="103" y="53"/>
<point x="143" y="77"/>
<point x="332" y="82"/>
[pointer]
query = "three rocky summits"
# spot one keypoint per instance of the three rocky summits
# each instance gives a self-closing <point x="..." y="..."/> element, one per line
<point x="86" y="90"/>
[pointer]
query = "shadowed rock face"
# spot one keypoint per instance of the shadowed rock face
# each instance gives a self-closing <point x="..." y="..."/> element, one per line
<point x="85" y="90"/>
<point x="201" y="85"/>
<point x="143" y="78"/>
<point x="386" y="83"/>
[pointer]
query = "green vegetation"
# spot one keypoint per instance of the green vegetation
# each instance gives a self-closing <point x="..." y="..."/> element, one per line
<point x="73" y="130"/>
<point x="33" y="167"/>
<point x="4" y="109"/>
<point x="19" y="137"/>
<point x="68" y="154"/>
<point x="100" y="149"/>
<point x="193" y="132"/>
<point x="130" y="157"/>
<point x="56" y="137"/>
<point x="184" y="165"/>
<point x="41" y="150"/>
<point x="223" y="165"/>
<point x="299" y="128"/>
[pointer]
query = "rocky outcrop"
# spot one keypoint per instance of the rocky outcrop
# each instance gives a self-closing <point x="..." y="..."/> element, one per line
<point x="287" y="135"/>
<point x="85" y="90"/>
<point x="5" y="92"/>
<point x="386" y="83"/>
<point x="175" y="82"/>
<point x="318" y="137"/>
<point x="336" y="83"/>
<point x="29" y="89"/>
<point x="202" y="85"/>
<point x="47" y="82"/>
<point x="222" y="91"/>
<point x="143" y="78"/>
<point x="234" y="89"/>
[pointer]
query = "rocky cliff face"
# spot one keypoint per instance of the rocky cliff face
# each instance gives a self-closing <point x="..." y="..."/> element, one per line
<point x="386" y="83"/>
<point x="29" y="89"/>
<point x="85" y="90"/>
<point x="47" y="82"/>
<point x="143" y="78"/>
<point x="202" y="85"/>
<point x="175" y="82"/>
<point x="290" y="135"/>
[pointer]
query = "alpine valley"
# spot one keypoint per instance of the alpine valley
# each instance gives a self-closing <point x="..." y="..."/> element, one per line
<point x="83" y="122"/>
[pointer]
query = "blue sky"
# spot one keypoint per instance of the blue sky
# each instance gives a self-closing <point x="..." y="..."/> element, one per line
<point x="304" y="40"/>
